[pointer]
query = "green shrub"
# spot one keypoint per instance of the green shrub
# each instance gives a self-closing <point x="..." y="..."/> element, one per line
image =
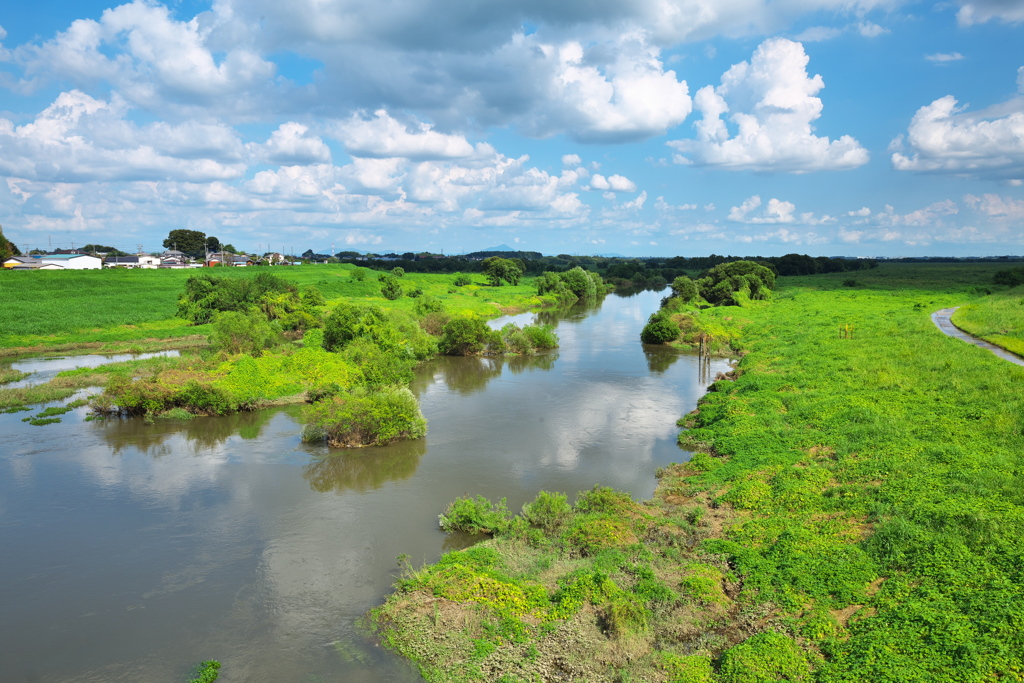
<point x="427" y="304"/>
<point x="313" y="339"/>
<point x="206" y="294"/>
<point x="366" y="418"/>
<point x="461" y="280"/>
<point x="764" y="658"/>
<point x="477" y="516"/>
<point x="684" y="289"/>
<point x="660" y="328"/>
<point x="206" y="672"/>
<point x="580" y="283"/>
<point x="464" y="336"/>
<point x="590" y="535"/>
<point x="549" y="511"/>
<point x="235" y="332"/>
<point x="541" y="337"/>
<point x="390" y="289"/>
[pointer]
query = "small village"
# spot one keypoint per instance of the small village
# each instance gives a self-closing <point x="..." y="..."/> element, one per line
<point x="75" y="259"/>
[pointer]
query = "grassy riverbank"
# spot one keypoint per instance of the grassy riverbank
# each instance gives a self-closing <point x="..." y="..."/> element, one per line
<point x="998" y="319"/>
<point x="853" y="513"/>
<point x="108" y="311"/>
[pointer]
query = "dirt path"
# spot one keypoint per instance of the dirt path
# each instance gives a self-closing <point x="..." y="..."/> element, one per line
<point x="943" y="322"/>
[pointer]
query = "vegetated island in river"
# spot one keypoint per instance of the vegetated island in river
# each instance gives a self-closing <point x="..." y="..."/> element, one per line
<point x="853" y="511"/>
<point x="271" y="342"/>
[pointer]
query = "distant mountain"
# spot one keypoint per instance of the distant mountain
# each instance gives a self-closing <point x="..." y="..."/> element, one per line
<point x="501" y="247"/>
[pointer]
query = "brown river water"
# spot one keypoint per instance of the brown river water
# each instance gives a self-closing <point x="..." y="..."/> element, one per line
<point x="130" y="552"/>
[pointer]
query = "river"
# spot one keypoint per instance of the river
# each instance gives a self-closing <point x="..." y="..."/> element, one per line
<point x="132" y="551"/>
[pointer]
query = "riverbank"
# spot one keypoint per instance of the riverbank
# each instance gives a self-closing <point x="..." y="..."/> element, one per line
<point x="998" y="319"/>
<point x="92" y="312"/>
<point x="852" y="513"/>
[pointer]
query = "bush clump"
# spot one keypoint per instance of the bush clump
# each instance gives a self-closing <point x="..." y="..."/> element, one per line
<point x="660" y="328"/>
<point x="365" y="418"/>
<point x="475" y="516"/>
<point x="234" y="332"/>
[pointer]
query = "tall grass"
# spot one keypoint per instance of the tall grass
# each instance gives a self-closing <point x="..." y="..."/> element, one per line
<point x="854" y="513"/>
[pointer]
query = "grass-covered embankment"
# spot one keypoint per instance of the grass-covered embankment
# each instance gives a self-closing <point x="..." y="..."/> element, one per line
<point x="115" y="310"/>
<point x="998" y="319"/>
<point x="854" y="513"/>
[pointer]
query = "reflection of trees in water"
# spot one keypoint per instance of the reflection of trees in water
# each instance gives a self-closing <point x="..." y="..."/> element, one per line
<point x="660" y="358"/>
<point x="363" y="469"/>
<point x="467" y="375"/>
<point x="200" y="432"/>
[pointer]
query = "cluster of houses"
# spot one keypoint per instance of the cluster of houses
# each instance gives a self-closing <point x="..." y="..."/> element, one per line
<point x="77" y="260"/>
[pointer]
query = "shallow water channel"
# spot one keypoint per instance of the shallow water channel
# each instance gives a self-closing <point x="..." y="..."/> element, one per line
<point x="133" y="551"/>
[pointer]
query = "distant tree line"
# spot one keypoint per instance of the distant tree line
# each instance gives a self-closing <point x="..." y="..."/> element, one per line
<point x="650" y="272"/>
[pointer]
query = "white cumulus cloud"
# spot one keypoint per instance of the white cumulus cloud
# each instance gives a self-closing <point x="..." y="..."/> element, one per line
<point x="944" y="138"/>
<point x="615" y="183"/>
<point x="383" y="136"/>
<point x="772" y="103"/>
<point x="79" y="138"/>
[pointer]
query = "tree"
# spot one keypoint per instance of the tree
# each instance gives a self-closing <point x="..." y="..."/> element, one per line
<point x="497" y="269"/>
<point x="212" y="243"/>
<point x="728" y="284"/>
<point x="228" y="248"/>
<point x="7" y="248"/>
<point x="684" y="288"/>
<point x="189" y="242"/>
<point x="389" y="288"/>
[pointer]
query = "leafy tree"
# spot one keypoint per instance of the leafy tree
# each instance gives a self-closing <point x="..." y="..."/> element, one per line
<point x="731" y="283"/>
<point x="398" y="271"/>
<point x="212" y="243"/>
<point x="359" y="274"/>
<point x="235" y="332"/>
<point x="498" y="269"/>
<point x="684" y="288"/>
<point x="461" y="280"/>
<point x="7" y="248"/>
<point x="189" y="242"/>
<point x="207" y="294"/>
<point x="660" y="328"/>
<point x="464" y="336"/>
<point x="580" y="282"/>
<point x="390" y="289"/>
<point x="229" y="248"/>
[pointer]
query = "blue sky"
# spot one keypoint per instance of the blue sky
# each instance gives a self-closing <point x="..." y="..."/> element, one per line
<point x="648" y="127"/>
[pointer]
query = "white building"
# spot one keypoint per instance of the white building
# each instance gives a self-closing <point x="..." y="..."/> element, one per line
<point x="72" y="261"/>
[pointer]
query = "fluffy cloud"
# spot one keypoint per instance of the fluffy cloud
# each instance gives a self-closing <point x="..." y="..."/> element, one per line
<point x="979" y="12"/>
<point x="995" y="207"/>
<point x="79" y="138"/>
<point x="633" y="98"/>
<point x="383" y="136"/>
<point x="291" y="143"/>
<point x="775" y="212"/>
<point x="773" y="103"/>
<point x="149" y="57"/>
<point x="944" y="138"/>
<point x="615" y="183"/>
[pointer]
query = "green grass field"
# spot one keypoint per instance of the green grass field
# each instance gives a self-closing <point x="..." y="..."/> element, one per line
<point x="998" y="318"/>
<point x="116" y="309"/>
<point x="855" y="512"/>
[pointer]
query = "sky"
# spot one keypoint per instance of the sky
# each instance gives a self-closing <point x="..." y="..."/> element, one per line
<point x="629" y="127"/>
